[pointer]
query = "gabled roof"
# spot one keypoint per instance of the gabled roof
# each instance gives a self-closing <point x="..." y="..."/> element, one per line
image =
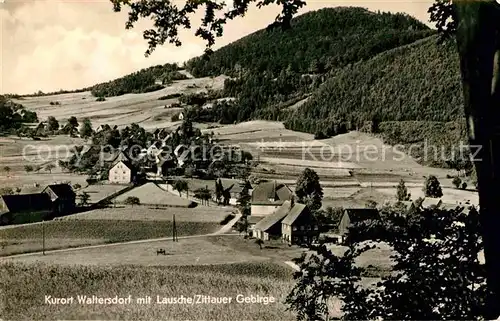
<point x="61" y="190"/>
<point x="361" y="214"/>
<point x="270" y="220"/>
<point x="429" y="201"/>
<point x="121" y="157"/>
<point x="294" y="213"/>
<point x="27" y="202"/>
<point x="271" y="190"/>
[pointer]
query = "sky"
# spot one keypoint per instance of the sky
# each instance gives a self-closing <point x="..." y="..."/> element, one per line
<point x="68" y="44"/>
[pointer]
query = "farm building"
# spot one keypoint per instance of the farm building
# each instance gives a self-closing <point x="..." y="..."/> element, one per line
<point x="299" y="226"/>
<point x="122" y="171"/>
<point x="270" y="226"/>
<point x="355" y="215"/>
<point x="292" y="222"/>
<point x="62" y="198"/>
<point x="24" y="208"/>
<point x="268" y="197"/>
<point x="232" y="190"/>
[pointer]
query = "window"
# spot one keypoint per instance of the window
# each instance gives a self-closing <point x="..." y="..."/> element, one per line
<point x="294" y="228"/>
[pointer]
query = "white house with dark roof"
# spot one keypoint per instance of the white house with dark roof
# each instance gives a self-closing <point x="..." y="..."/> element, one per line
<point x="122" y="171"/>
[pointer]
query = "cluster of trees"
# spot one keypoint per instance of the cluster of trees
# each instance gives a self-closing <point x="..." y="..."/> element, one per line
<point x="14" y="116"/>
<point x="447" y="283"/>
<point x="139" y="82"/>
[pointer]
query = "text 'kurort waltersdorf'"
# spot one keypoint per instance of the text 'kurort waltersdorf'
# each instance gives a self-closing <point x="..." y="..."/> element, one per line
<point x="190" y="300"/>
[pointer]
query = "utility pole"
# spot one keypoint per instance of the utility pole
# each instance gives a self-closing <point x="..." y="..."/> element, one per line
<point x="43" y="237"/>
<point x="174" y="231"/>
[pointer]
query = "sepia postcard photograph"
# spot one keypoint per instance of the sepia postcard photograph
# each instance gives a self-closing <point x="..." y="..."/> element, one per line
<point x="249" y="160"/>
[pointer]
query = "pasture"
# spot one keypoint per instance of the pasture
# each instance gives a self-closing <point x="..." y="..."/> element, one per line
<point x="16" y="153"/>
<point x="191" y="250"/>
<point x="25" y="287"/>
<point x="60" y="234"/>
<point x="144" y="109"/>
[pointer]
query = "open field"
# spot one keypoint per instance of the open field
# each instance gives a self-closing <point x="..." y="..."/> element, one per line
<point x="450" y="195"/>
<point x="144" y="213"/>
<point x="26" y="285"/>
<point x="142" y="109"/>
<point x="188" y="251"/>
<point x="151" y="194"/>
<point x="15" y="153"/>
<point x="72" y="233"/>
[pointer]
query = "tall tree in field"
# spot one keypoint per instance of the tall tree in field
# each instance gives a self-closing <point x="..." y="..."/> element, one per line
<point x="309" y="190"/>
<point x="86" y="129"/>
<point x="402" y="192"/>
<point x="432" y="187"/>
<point x="477" y="27"/>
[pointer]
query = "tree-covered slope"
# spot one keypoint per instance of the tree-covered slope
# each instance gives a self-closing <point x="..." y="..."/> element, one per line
<point x="319" y="40"/>
<point x="139" y="82"/>
<point x="417" y="82"/>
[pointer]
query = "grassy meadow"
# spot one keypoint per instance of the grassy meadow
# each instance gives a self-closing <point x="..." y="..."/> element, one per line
<point x="75" y="233"/>
<point x="25" y="287"/>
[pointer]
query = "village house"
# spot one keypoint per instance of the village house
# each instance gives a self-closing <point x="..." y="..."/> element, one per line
<point x="24" y="208"/>
<point x="62" y="197"/>
<point x="122" y="171"/>
<point x="299" y="226"/>
<point x="292" y="222"/>
<point x="270" y="226"/>
<point x="268" y="197"/>
<point x="232" y="190"/>
<point x="356" y="215"/>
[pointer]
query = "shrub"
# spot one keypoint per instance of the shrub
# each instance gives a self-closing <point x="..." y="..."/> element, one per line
<point x="227" y="219"/>
<point x="100" y="99"/>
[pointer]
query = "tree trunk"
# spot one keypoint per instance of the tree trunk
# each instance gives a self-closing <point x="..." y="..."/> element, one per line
<point x="478" y="44"/>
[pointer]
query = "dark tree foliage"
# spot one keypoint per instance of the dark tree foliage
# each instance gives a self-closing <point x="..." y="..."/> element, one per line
<point x="402" y="193"/>
<point x="308" y="189"/>
<point x="13" y="116"/>
<point x="432" y="187"/>
<point x="436" y="275"/>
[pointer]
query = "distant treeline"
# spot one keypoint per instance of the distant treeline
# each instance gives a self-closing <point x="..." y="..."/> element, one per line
<point x="145" y="80"/>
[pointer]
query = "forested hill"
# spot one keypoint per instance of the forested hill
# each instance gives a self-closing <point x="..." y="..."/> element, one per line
<point x="318" y="41"/>
<point x="417" y="82"/>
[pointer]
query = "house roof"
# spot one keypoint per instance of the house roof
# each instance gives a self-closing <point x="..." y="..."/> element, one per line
<point x="62" y="190"/>
<point x="271" y="190"/>
<point x="294" y="213"/>
<point x="361" y="214"/>
<point x="121" y="157"/>
<point x="429" y="201"/>
<point x="234" y="186"/>
<point x="270" y="220"/>
<point x="27" y="202"/>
